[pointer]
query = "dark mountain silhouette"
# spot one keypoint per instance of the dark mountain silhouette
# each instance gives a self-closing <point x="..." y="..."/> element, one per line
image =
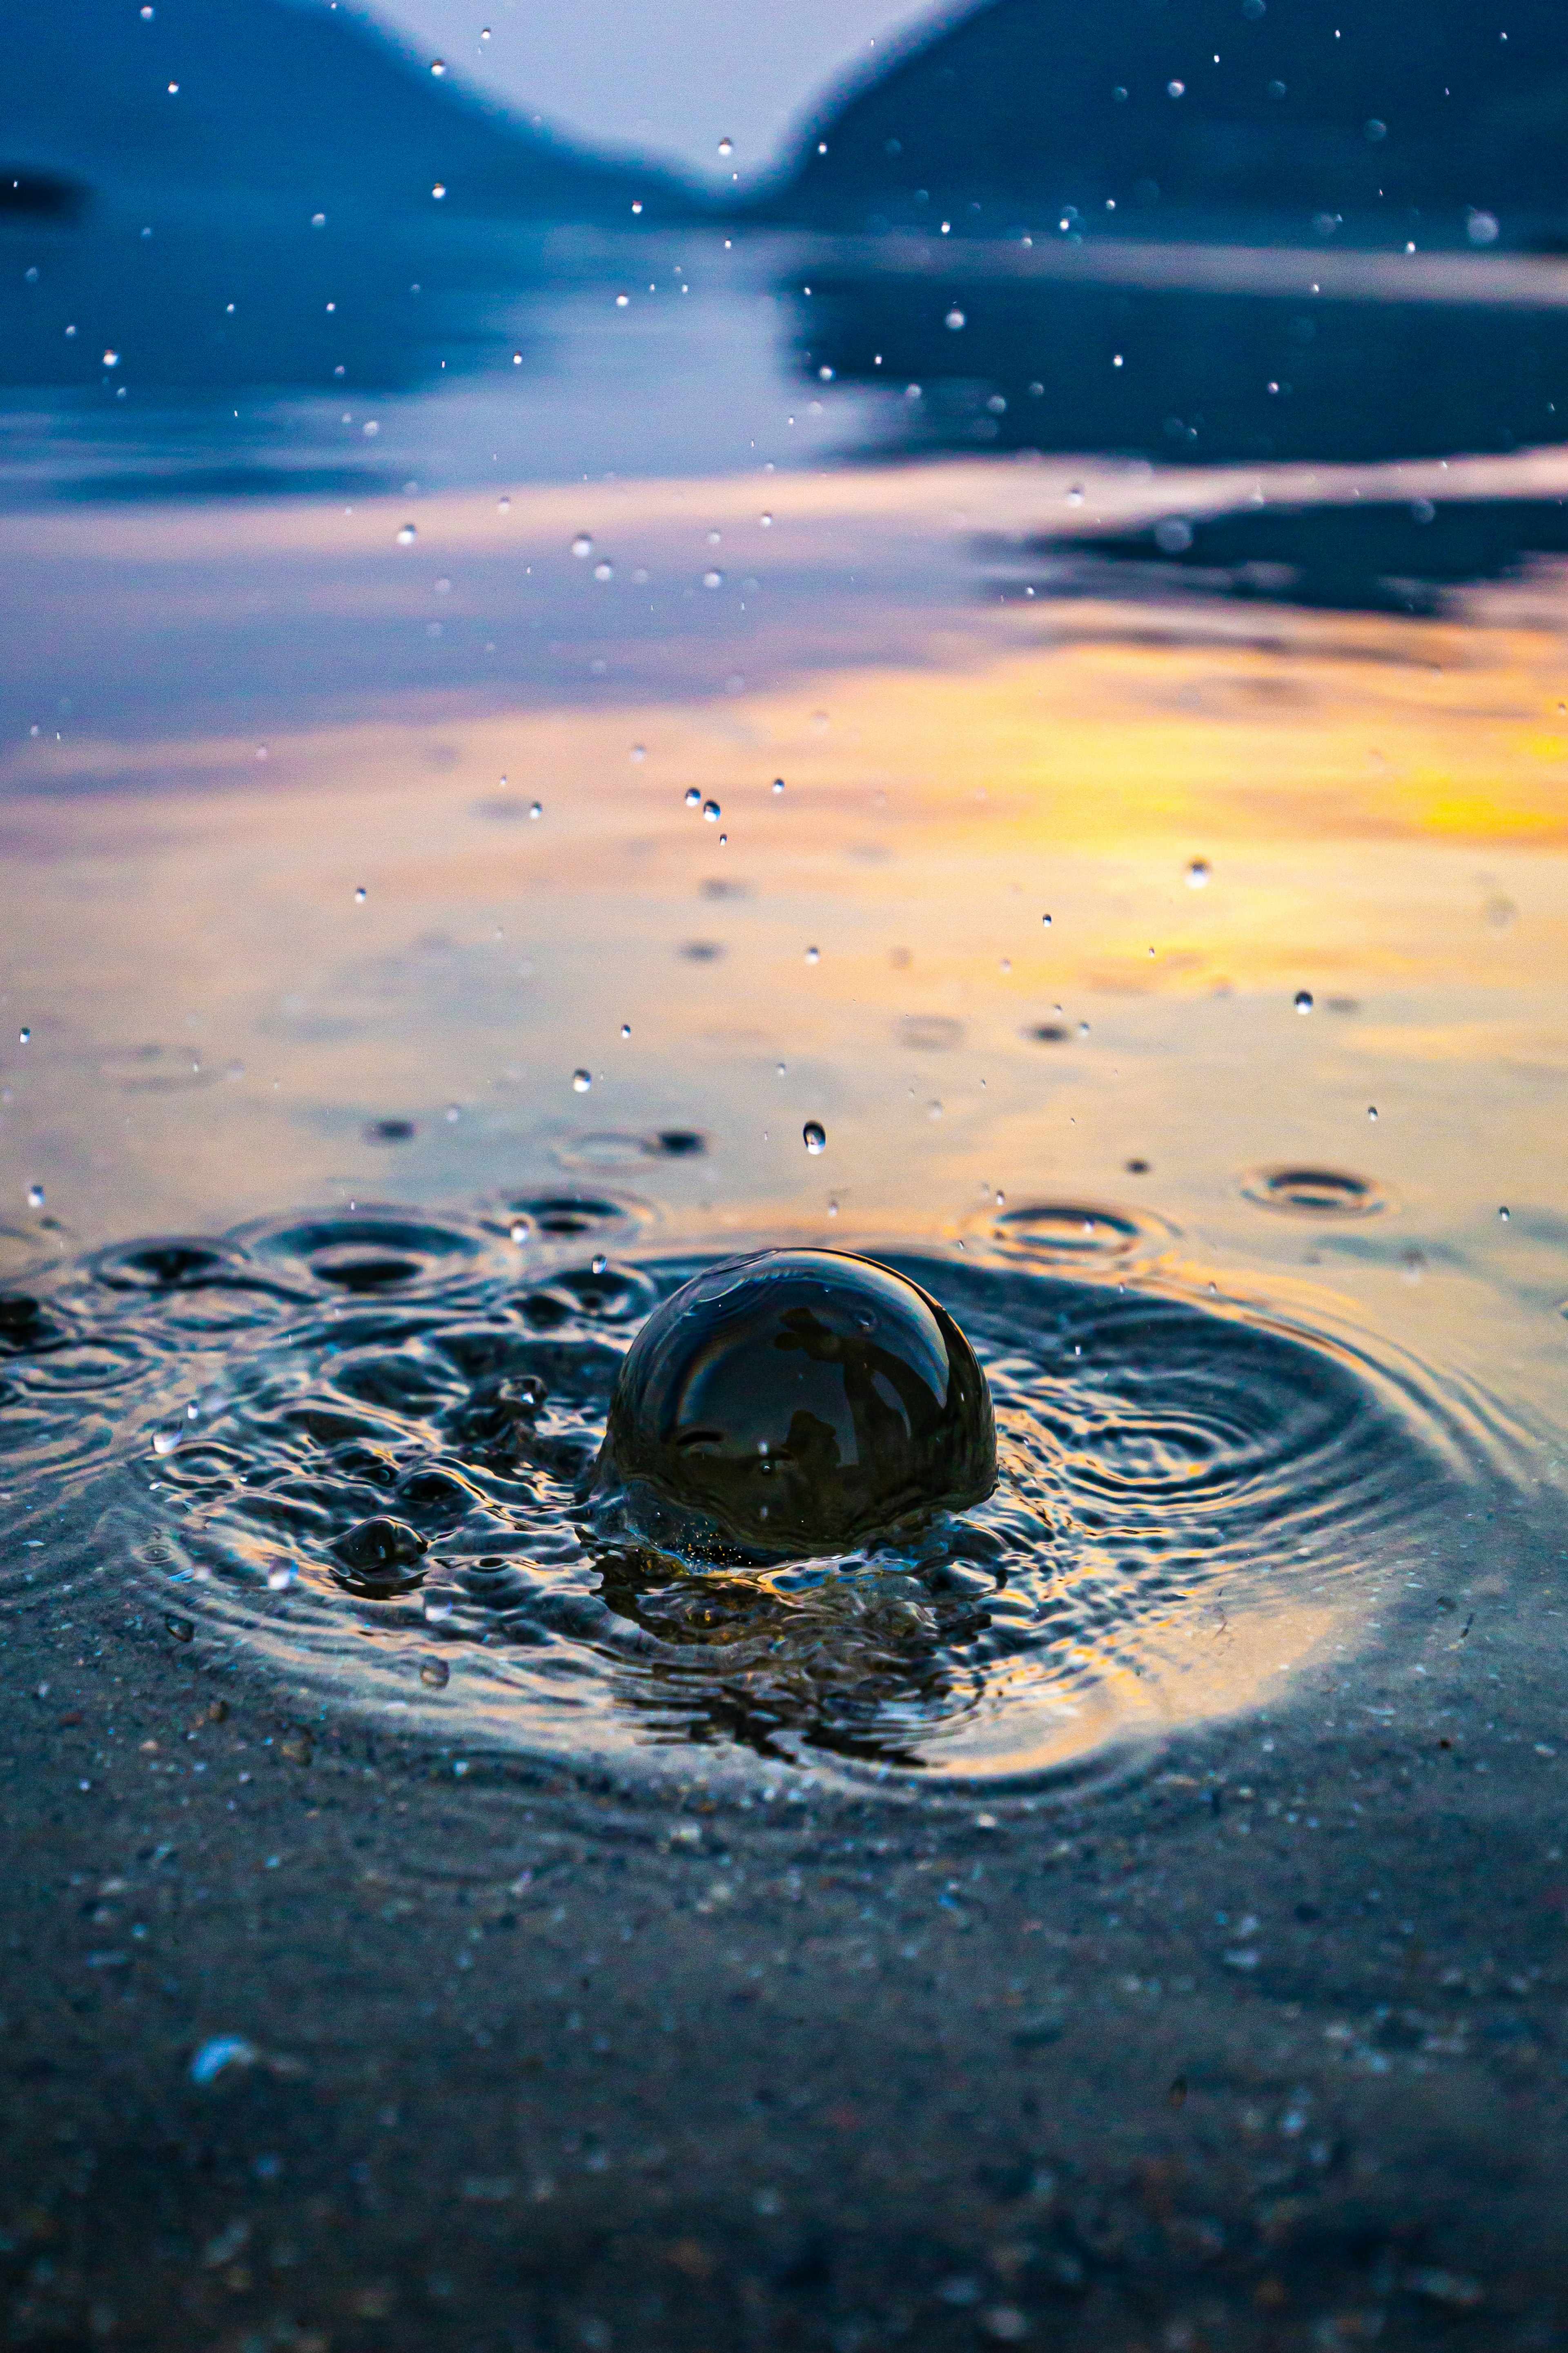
<point x="295" y="105"/>
<point x="1441" y="119"/>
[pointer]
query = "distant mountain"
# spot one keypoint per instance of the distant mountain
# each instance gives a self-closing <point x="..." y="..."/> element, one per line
<point x="290" y="106"/>
<point x="1430" y="121"/>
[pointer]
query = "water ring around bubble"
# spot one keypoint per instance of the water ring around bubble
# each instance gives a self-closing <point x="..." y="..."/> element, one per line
<point x="1194" y="1497"/>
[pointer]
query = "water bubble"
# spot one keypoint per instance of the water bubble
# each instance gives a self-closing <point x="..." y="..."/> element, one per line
<point x="581" y="546"/>
<point x="1176" y="89"/>
<point x="813" y="956"/>
<point x="361" y="894"/>
<point x="1198" y="872"/>
<point x="36" y="1196"/>
<point x="581" y="1082"/>
<point x="484" y="32"/>
<point x="778" y="784"/>
<point x="408" y="534"/>
<point x="955" y="320"/>
<point x="1303" y="1000"/>
<point x="797" y="1401"/>
<point x="623" y="301"/>
<point x="693" y="798"/>
<point x="1173" y="536"/>
<point x="815" y="1136"/>
<point x="1483" y="229"/>
<point x="712" y="812"/>
<point x="436" y="1674"/>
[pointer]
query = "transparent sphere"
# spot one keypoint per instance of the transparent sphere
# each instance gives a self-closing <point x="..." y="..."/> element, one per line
<point x="798" y="1402"/>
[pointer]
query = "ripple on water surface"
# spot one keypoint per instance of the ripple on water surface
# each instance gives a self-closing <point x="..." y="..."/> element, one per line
<point x="1192" y="1497"/>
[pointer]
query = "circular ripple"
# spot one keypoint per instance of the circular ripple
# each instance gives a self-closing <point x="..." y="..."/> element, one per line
<point x="1300" y="1192"/>
<point x="1191" y="1499"/>
<point x="556" y="1220"/>
<point x="1071" y="1233"/>
<point x="372" y="1252"/>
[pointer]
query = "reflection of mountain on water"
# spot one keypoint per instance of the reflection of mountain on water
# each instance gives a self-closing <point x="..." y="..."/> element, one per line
<point x="1187" y="372"/>
<point x="1364" y="555"/>
<point x="251" y="193"/>
<point x="1434" y="120"/>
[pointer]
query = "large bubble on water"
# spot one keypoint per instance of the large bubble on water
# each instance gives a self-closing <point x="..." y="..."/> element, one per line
<point x="795" y="1403"/>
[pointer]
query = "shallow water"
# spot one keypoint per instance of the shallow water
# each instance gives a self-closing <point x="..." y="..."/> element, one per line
<point x="1176" y="981"/>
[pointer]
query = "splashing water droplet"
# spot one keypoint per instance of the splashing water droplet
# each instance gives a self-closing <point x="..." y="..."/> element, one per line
<point x="1502" y="1217"/>
<point x="813" y="956"/>
<point x="1372" y="1111"/>
<point x="712" y="812"/>
<point x="640" y="752"/>
<point x="778" y="784"/>
<point x="24" y="1037"/>
<point x="581" y="1082"/>
<point x="361" y="894"/>
<point x="1198" y="872"/>
<point x="815" y="1136"/>
<point x="164" y="1442"/>
<point x="1046" y="921"/>
<point x="536" y="808"/>
<point x="36" y="1196"/>
<point x="581" y="546"/>
<point x="438" y="67"/>
<point x="626" y="1029"/>
<point x="604" y="571"/>
<point x="407" y="535"/>
<point x="280" y="1577"/>
<point x="1303" y="1000"/>
<point x="693" y="798"/>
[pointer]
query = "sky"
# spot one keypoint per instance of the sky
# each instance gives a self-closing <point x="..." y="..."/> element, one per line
<point x="667" y="77"/>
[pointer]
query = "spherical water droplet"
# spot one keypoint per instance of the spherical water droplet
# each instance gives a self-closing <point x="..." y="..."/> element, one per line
<point x="24" y="1037"/>
<point x="535" y="808"/>
<point x="813" y="956"/>
<point x="519" y="1231"/>
<point x="778" y="784"/>
<point x="1175" y="88"/>
<point x="955" y="320"/>
<point x="712" y="580"/>
<point x="640" y="752"/>
<point x="726" y="146"/>
<point x="1372" y="1111"/>
<point x="799" y="1402"/>
<point x="1198" y="872"/>
<point x="604" y="571"/>
<point x="1502" y="1217"/>
<point x="1046" y="921"/>
<point x="438" y="191"/>
<point x="164" y="1442"/>
<point x="693" y="798"/>
<point x="626" y="1029"/>
<point x="407" y="535"/>
<point x="36" y="1196"/>
<point x="111" y="359"/>
<point x="1303" y="1000"/>
<point x="280" y="1576"/>
<point x="436" y="1674"/>
<point x="816" y="1136"/>
<point x="623" y="301"/>
<point x="766" y="521"/>
<point x="581" y="546"/>
<point x="581" y="1082"/>
<point x="438" y="67"/>
<point x="360" y="895"/>
<point x="712" y="812"/>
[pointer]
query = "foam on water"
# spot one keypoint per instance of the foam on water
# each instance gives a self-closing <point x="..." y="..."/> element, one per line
<point x="1195" y="1494"/>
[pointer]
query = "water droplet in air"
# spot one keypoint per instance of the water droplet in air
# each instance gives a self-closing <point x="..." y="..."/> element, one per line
<point x="766" y="520"/>
<point x="626" y="1029"/>
<point x="816" y="1136"/>
<point x="1175" y="88"/>
<point x="280" y="1577"/>
<point x="436" y="1674"/>
<point x="535" y="808"/>
<point x="1046" y="921"/>
<point x="438" y="191"/>
<point x="164" y="1442"/>
<point x="604" y="571"/>
<point x="1303" y="1000"/>
<point x="778" y="784"/>
<point x="1502" y="1217"/>
<point x="640" y="751"/>
<point x="360" y="895"/>
<point x="726" y="146"/>
<point x="955" y="320"/>
<point x="712" y="812"/>
<point x="1198" y="872"/>
<point x="581" y="546"/>
<point x="1372" y="1111"/>
<point x="712" y="580"/>
<point x="36" y="1196"/>
<point x="581" y="1082"/>
<point x="693" y="798"/>
<point x="111" y="359"/>
<point x="407" y="535"/>
<point x="813" y="956"/>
